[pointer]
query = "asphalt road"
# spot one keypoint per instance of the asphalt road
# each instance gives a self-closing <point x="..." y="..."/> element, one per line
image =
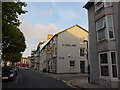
<point x="33" y="79"/>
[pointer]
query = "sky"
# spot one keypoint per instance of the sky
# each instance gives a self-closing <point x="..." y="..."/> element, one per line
<point x="45" y="18"/>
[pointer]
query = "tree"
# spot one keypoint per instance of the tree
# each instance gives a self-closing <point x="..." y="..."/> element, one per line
<point x="10" y="12"/>
<point x="13" y="41"/>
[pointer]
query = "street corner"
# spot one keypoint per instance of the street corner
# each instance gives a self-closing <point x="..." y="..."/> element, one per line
<point x="76" y="84"/>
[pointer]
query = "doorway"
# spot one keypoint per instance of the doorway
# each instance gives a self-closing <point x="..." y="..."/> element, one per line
<point x="82" y="66"/>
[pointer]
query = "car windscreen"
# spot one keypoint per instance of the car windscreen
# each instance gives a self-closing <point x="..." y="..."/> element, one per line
<point x="6" y="69"/>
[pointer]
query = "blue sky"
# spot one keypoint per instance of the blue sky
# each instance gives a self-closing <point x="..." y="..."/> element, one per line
<point x="49" y="18"/>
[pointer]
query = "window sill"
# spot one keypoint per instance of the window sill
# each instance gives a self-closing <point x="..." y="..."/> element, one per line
<point x="99" y="10"/>
<point x="107" y="77"/>
<point x="105" y="40"/>
<point x="72" y="66"/>
<point x="104" y="77"/>
<point x="113" y="39"/>
<point x="101" y="41"/>
<point x="108" y="6"/>
<point x="114" y="79"/>
<point x="82" y="56"/>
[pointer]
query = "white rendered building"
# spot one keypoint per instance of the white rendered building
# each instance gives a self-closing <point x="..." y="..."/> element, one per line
<point x="65" y="52"/>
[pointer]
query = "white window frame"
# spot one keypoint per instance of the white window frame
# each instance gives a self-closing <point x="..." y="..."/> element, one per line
<point x="109" y="64"/>
<point x="108" y="36"/>
<point x="111" y="74"/>
<point x="104" y="27"/>
<point x="96" y="2"/>
<point x="103" y="64"/>
<point x="105" y="3"/>
<point x="105" y="24"/>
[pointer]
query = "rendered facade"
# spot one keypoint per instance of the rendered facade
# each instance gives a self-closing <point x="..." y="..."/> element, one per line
<point x="104" y="43"/>
<point x="65" y="52"/>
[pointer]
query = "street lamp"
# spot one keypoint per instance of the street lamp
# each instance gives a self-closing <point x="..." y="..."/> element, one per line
<point x="88" y="61"/>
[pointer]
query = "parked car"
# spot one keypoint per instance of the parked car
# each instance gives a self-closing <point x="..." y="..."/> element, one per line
<point x="8" y="73"/>
<point x="0" y="74"/>
<point x="16" y="69"/>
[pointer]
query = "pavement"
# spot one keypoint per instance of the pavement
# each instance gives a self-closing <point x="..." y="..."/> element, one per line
<point x="78" y="81"/>
<point x="84" y="85"/>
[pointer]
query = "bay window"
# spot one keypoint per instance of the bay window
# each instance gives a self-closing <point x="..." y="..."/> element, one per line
<point x="107" y="3"/>
<point x="104" y="64"/>
<point x="104" y="28"/>
<point x="110" y="28"/>
<point x="108" y="64"/>
<point x="114" y="64"/>
<point x="100" y="27"/>
<point x="99" y="4"/>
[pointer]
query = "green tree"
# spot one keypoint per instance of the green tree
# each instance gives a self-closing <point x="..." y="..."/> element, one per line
<point x="13" y="41"/>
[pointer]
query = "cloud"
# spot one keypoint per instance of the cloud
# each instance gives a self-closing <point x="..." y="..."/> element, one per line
<point x="35" y="34"/>
<point x="39" y="31"/>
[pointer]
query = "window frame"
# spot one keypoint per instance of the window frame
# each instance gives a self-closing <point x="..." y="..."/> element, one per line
<point x="73" y="64"/>
<point x="106" y="5"/>
<point x="107" y="27"/>
<point x="82" y="54"/>
<point x="103" y="2"/>
<point x="97" y="2"/>
<point x="109" y="64"/>
<point x="100" y="64"/>
<point x="111" y="69"/>
<point x="104" y="27"/>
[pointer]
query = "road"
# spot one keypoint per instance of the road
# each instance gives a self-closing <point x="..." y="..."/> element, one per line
<point x="33" y="79"/>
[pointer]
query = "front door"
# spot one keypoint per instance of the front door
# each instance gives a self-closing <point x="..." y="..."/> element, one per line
<point x="82" y="66"/>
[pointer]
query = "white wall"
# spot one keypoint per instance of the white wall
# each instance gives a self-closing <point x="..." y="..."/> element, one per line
<point x="63" y="65"/>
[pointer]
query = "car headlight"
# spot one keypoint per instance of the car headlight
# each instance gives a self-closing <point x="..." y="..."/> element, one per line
<point x="11" y="75"/>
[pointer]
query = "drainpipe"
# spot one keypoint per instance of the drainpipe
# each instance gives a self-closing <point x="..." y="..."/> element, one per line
<point x="88" y="61"/>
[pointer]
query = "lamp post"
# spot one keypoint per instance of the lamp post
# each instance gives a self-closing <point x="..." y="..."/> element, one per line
<point x="87" y="60"/>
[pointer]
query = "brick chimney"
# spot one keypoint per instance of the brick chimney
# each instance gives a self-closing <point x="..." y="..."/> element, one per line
<point x="49" y="36"/>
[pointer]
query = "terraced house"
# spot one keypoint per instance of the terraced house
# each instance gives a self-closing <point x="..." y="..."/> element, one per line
<point x="65" y="52"/>
<point x="104" y="41"/>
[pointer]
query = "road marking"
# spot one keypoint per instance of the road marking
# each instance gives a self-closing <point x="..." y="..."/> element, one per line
<point x="69" y="84"/>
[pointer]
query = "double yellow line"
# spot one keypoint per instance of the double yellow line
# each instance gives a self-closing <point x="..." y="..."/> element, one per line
<point x="69" y="84"/>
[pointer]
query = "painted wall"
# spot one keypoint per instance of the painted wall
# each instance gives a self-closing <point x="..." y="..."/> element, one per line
<point x="93" y="56"/>
<point x="71" y="37"/>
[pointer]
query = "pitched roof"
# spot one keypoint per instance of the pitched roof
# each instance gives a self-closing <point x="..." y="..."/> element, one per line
<point x="72" y="27"/>
<point x="43" y="45"/>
